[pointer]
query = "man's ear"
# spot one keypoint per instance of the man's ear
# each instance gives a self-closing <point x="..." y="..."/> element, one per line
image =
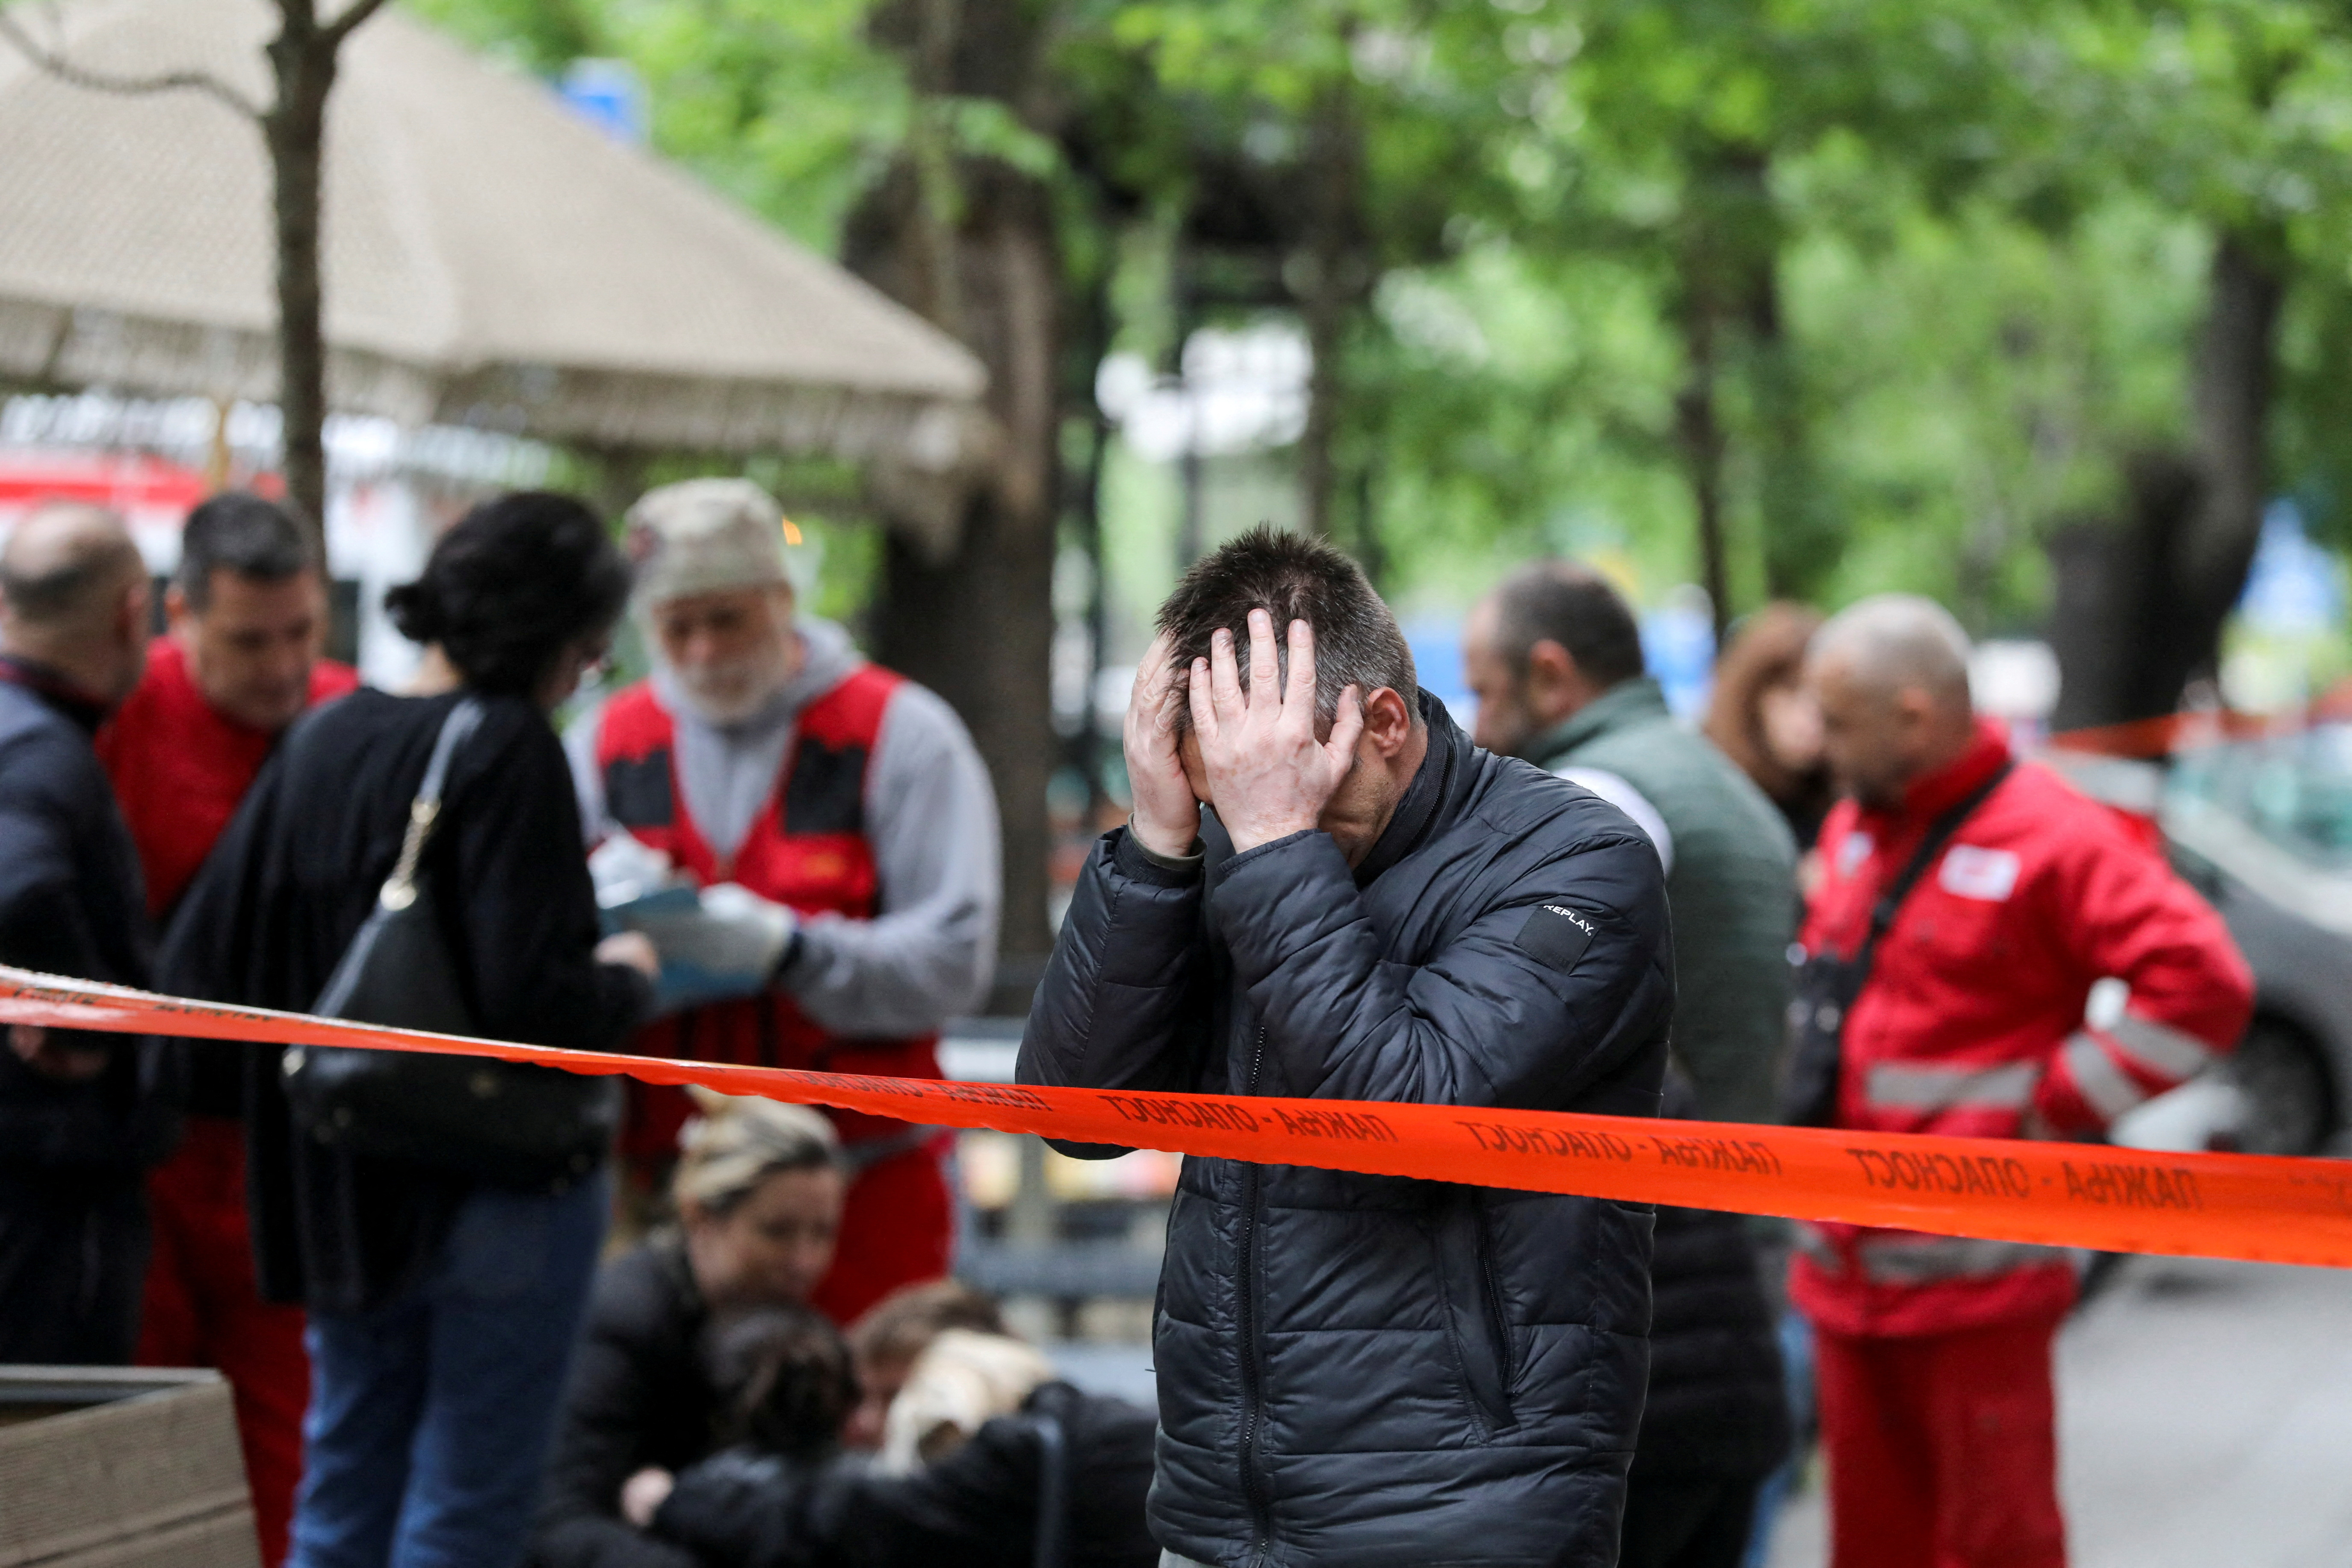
<point x="131" y="614"/>
<point x="177" y="611"/>
<point x="1551" y="671"/>
<point x="1388" y="722"/>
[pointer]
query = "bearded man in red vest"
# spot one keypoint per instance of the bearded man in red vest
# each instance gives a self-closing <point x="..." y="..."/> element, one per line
<point x="843" y="832"/>
<point x="241" y="661"/>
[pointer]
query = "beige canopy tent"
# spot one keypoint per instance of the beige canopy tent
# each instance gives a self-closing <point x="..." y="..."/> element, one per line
<point x="490" y="258"/>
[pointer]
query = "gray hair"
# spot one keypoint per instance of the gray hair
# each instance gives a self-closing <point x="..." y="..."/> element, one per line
<point x="1292" y="578"/>
<point x="1894" y="642"/>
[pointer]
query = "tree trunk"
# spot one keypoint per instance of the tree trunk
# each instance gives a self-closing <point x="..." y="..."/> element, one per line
<point x="977" y="625"/>
<point x="1729" y="312"/>
<point x="1334" y="264"/>
<point x="2141" y="603"/>
<point x="2236" y="354"/>
<point x="1701" y="435"/>
<point x="303" y="60"/>
<point x="1800" y="537"/>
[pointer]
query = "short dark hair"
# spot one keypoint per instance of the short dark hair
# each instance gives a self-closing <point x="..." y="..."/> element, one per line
<point x="513" y="584"/>
<point x="238" y="531"/>
<point x="1573" y="606"/>
<point x="1292" y="578"/>
<point x="784" y="1377"/>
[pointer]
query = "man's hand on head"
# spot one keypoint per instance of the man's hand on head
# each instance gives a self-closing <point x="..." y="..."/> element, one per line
<point x="1268" y="775"/>
<point x="1167" y="819"/>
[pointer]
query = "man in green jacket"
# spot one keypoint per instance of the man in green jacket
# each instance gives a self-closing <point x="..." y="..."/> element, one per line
<point x="1555" y="660"/>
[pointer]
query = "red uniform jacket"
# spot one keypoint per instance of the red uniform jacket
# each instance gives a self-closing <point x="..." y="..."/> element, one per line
<point x="179" y="767"/>
<point x="807" y="848"/>
<point x="1976" y="1011"/>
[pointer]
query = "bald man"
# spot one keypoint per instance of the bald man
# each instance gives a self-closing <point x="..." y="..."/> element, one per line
<point x="1987" y="954"/>
<point x="82" y="1115"/>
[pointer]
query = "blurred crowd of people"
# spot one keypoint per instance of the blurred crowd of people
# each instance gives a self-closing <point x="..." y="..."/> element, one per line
<point x="773" y="852"/>
<point x="1885" y="920"/>
<point x="395" y="1265"/>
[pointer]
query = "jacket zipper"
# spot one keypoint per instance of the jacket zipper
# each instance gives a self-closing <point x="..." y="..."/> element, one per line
<point x="1260" y="1510"/>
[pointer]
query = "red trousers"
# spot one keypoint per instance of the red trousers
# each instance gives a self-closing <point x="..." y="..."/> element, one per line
<point x="202" y="1310"/>
<point x="1942" y="1448"/>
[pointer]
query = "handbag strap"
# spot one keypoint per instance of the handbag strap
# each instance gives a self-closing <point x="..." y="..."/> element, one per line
<point x="1940" y="833"/>
<point x="400" y="888"/>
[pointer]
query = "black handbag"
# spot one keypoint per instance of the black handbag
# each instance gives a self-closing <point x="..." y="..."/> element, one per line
<point x="473" y="1116"/>
<point x="1827" y="985"/>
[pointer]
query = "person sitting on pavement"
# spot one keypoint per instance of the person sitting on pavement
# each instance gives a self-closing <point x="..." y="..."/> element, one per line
<point x="988" y="1459"/>
<point x="845" y="833"/>
<point x="83" y="1115"/>
<point x="240" y="661"/>
<point x="759" y="1192"/>
<point x="1354" y="1369"/>
<point x="891" y="1337"/>
<point x="1988" y="954"/>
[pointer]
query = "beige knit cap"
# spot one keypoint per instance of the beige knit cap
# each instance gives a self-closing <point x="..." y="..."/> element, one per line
<point x="701" y="536"/>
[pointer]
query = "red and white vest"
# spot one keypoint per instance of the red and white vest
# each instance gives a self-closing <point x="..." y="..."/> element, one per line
<point x="807" y="849"/>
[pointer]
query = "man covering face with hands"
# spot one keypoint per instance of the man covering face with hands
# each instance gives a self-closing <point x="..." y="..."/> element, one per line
<point x="1353" y="1369"/>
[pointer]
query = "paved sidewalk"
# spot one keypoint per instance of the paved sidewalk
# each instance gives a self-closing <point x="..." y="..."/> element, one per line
<point x="2205" y="1415"/>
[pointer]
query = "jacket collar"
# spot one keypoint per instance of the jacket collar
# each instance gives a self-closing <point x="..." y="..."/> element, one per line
<point x="55" y="691"/>
<point x="1437" y="786"/>
<point x="1626" y="702"/>
<point x="1931" y="795"/>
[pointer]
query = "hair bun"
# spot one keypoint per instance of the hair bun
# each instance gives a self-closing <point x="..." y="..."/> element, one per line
<point x="416" y="612"/>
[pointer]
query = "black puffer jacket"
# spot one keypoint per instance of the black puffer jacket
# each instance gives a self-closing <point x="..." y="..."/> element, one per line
<point x="1075" y="1464"/>
<point x="1367" y="1370"/>
<point x="1717" y="1405"/>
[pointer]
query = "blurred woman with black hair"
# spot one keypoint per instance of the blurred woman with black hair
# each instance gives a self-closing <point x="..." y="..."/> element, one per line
<point x="443" y="1303"/>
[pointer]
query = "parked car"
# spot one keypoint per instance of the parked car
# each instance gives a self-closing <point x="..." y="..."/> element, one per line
<point x="2263" y="828"/>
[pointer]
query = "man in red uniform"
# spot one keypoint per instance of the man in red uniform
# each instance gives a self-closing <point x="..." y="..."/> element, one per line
<point x="248" y="619"/>
<point x="842" y="831"/>
<point x="2044" y="974"/>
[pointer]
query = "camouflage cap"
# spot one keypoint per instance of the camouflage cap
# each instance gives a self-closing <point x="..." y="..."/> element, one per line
<point x="701" y="536"/>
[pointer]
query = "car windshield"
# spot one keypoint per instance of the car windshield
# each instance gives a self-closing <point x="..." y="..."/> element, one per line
<point x="2295" y="790"/>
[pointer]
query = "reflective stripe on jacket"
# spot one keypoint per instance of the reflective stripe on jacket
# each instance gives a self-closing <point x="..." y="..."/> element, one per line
<point x="2047" y="962"/>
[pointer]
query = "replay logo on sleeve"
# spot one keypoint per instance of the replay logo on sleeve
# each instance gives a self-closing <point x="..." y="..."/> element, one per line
<point x="1556" y="934"/>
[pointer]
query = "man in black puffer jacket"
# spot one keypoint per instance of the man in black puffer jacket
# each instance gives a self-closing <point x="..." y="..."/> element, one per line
<point x="1366" y="1370"/>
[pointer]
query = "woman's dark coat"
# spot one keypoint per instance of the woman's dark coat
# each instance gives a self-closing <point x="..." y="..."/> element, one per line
<point x="290" y="884"/>
<point x="1366" y="1370"/>
<point x="640" y="1397"/>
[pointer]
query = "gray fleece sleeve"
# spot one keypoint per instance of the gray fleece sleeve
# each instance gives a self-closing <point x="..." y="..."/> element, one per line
<point x="587" y="780"/>
<point x="929" y="955"/>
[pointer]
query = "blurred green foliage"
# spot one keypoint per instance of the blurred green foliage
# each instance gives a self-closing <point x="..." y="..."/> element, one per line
<point x="1950" y="259"/>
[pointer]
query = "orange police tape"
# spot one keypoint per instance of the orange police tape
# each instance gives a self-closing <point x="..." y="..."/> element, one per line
<point x="2067" y="1194"/>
